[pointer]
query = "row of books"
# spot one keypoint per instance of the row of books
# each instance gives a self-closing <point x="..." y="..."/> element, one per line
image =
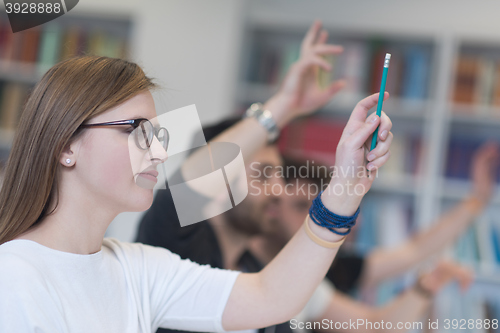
<point x="361" y="64"/>
<point x="52" y="42"/>
<point x="12" y="97"/>
<point x="316" y="138"/>
<point x="459" y="158"/>
<point x="477" y="81"/>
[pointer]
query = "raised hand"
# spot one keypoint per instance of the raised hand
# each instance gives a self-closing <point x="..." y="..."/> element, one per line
<point x="484" y="166"/>
<point x="444" y="273"/>
<point x="300" y="93"/>
<point x="350" y="180"/>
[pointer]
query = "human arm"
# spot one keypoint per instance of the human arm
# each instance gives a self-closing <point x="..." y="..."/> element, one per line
<point x="407" y="307"/>
<point x="383" y="264"/>
<point x="284" y="286"/>
<point x="299" y="95"/>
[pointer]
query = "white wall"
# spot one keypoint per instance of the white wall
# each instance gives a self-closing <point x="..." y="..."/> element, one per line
<point x="464" y="17"/>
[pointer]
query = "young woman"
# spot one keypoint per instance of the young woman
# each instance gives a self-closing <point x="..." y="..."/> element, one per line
<point x="70" y="173"/>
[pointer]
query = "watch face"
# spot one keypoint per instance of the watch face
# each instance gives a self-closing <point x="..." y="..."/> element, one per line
<point x="265" y="118"/>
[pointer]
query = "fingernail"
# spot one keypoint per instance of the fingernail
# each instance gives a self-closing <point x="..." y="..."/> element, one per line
<point x="370" y="157"/>
<point x="370" y="118"/>
<point x="384" y="135"/>
<point x="374" y="119"/>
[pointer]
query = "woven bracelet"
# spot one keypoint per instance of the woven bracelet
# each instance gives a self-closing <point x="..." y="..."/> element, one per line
<point x="325" y="218"/>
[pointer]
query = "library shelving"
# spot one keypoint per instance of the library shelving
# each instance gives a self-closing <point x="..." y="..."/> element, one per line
<point x="445" y="102"/>
<point x="25" y="56"/>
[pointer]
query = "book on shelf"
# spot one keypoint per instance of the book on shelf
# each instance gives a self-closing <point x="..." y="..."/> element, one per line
<point x="458" y="163"/>
<point x="377" y="57"/>
<point x="405" y="158"/>
<point x="466" y="77"/>
<point x="361" y="65"/>
<point x="29" y="46"/>
<point x="13" y="95"/>
<point x="50" y="45"/>
<point x="415" y="76"/>
<point x="483" y="94"/>
<point x="312" y="138"/>
<point x="477" y="85"/>
<point x="70" y="45"/>
<point x="496" y="86"/>
<point x="46" y="45"/>
<point x="395" y="73"/>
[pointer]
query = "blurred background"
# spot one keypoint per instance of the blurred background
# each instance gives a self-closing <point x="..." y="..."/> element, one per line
<point x="223" y="55"/>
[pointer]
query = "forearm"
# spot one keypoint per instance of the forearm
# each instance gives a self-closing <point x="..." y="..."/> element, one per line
<point x="284" y="286"/>
<point x="387" y="263"/>
<point x="408" y="308"/>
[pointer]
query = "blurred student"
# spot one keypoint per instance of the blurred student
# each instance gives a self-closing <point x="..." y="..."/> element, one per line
<point x="351" y="270"/>
<point x="222" y="240"/>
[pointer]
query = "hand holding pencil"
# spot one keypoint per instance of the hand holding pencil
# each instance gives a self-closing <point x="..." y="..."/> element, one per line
<point x="381" y="97"/>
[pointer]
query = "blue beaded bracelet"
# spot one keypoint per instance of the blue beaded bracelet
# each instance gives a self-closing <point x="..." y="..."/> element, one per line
<point x="324" y="218"/>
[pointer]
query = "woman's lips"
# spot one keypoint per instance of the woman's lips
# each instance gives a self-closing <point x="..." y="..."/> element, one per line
<point x="151" y="175"/>
<point x="147" y="179"/>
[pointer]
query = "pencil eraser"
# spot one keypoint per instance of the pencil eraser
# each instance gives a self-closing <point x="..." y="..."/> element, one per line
<point x="387" y="59"/>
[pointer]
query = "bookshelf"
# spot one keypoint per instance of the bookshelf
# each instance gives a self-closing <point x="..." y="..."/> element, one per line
<point x="435" y="130"/>
<point x="25" y="56"/>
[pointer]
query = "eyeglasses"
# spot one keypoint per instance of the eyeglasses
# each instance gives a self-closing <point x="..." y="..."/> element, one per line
<point x="143" y="131"/>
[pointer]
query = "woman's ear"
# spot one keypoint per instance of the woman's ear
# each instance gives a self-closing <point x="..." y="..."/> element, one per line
<point x="69" y="154"/>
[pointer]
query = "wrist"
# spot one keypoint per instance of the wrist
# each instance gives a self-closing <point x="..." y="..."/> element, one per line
<point x="345" y="203"/>
<point x="279" y="110"/>
<point x="422" y="290"/>
<point x="474" y="205"/>
<point x="322" y="233"/>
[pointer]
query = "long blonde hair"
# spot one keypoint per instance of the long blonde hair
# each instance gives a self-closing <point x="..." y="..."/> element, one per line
<point x="70" y="93"/>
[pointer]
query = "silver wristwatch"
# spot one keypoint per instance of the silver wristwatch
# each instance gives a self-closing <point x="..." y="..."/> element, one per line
<point x="265" y="118"/>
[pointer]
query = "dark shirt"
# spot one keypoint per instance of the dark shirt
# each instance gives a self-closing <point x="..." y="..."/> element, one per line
<point x="198" y="242"/>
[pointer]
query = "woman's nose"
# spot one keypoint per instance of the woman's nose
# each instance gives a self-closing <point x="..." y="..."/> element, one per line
<point x="158" y="151"/>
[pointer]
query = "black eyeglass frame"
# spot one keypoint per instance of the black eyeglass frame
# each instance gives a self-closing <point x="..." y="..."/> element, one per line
<point x="135" y="123"/>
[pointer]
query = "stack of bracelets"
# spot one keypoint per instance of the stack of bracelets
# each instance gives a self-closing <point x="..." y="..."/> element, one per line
<point x="325" y="218"/>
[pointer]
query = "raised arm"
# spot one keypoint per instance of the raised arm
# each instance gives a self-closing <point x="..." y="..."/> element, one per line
<point x="285" y="285"/>
<point x="406" y="309"/>
<point x="384" y="264"/>
<point x="298" y="95"/>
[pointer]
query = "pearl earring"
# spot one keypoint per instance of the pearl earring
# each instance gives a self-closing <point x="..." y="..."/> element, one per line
<point x="68" y="161"/>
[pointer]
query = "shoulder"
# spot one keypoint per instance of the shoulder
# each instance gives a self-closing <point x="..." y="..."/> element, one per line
<point x="15" y="261"/>
<point x="20" y="276"/>
<point x="136" y="251"/>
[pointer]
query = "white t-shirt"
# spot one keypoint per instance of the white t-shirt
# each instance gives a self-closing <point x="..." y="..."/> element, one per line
<point x="316" y="307"/>
<point x="124" y="288"/>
